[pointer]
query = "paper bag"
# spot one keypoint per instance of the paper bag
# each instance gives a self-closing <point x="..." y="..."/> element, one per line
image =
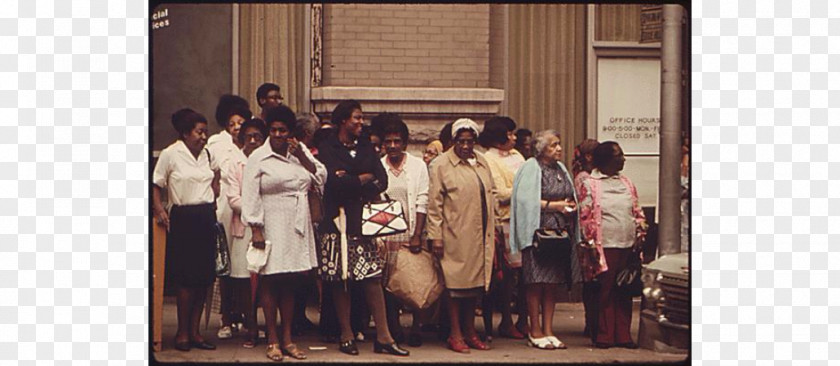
<point x="416" y="279"/>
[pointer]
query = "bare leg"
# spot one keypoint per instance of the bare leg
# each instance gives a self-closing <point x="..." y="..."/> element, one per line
<point x="505" y="295"/>
<point x="341" y="299"/>
<point x="184" y="303"/>
<point x="454" y="319"/>
<point x="468" y="314"/>
<point x="393" y="314"/>
<point x="287" y="308"/>
<point x="225" y="291"/>
<point x="243" y="292"/>
<point x="549" y="292"/>
<point x="376" y="303"/>
<point x="268" y="299"/>
<point x="199" y="294"/>
<point x="533" y="293"/>
<point x="521" y="303"/>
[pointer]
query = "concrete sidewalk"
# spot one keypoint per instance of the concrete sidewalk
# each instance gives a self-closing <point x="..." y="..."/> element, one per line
<point x="568" y="325"/>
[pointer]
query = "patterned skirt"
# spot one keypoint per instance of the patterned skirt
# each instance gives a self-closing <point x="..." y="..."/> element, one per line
<point x="363" y="260"/>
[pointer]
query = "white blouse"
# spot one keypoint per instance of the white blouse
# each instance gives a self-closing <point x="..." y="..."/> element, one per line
<point x="187" y="178"/>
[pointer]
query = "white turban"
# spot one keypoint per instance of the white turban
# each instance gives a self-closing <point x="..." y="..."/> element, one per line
<point x="462" y="124"/>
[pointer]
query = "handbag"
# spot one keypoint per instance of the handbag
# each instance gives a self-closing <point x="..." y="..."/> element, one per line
<point x="222" y="251"/>
<point x="629" y="280"/>
<point x="546" y="239"/>
<point x="416" y="279"/>
<point x="383" y="218"/>
<point x="551" y="240"/>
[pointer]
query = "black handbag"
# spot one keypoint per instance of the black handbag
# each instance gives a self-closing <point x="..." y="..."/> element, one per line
<point x="629" y="280"/>
<point x="551" y="240"/>
<point x="222" y="251"/>
<point x="546" y="239"/>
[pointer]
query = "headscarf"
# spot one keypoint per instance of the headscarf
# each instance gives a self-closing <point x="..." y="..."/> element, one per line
<point x="462" y="124"/>
<point x="436" y="146"/>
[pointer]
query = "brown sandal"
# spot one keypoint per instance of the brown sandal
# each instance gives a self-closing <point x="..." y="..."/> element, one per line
<point x="292" y="350"/>
<point x="273" y="352"/>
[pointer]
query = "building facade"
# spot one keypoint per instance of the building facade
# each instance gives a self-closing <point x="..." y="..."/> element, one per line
<point x="580" y="69"/>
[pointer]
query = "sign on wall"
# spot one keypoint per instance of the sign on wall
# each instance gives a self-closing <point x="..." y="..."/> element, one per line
<point x="628" y="103"/>
<point x="628" y="113"/>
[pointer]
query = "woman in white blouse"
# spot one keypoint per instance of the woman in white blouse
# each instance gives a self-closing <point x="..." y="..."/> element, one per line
<point x="277" y="177"/>
<point x="186" y="170"/>
<point x="408" y="183"/>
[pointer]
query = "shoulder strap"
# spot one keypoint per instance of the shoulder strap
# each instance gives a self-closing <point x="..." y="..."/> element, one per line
<point x="209" y="164"/>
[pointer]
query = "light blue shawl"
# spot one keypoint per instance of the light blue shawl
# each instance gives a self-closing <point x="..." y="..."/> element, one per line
<point x="525" y="206"/>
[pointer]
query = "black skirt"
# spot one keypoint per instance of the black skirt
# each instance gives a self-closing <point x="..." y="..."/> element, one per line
<point x="191" y="245"/>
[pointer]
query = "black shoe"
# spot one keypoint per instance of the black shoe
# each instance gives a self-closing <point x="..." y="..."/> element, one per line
<point x="203" y="345"/>
<point x="602" y="345"/>
<point x="415" y="340"/>
<point x="349" y="347"/>
<point x="182" y="346"/>
<point x="392" y="348"/>
<point x="628" y="345"/>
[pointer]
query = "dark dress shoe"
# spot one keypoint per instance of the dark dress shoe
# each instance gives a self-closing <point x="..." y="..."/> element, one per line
<point x="182" y="346"/>
<point x="349" y="347"/>
<point x="203" y="345"/>
<point x="415" y="340"/>
<point x="392" y="348"/>
<point x="629" y="345"/>
<point x="602" y="345"/>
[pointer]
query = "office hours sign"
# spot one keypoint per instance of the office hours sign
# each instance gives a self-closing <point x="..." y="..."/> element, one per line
<point x="628" y="103"/>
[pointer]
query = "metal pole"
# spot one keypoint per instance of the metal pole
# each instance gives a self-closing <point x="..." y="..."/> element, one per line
<point x="670" y="126"/>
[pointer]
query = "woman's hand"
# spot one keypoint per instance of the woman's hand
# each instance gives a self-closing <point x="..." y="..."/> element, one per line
<point x="568" y="206"/>
<point x="257" y="240"/>
<point x="365" y="178"/>
<point x="414" y="245"/>
<point x="162" y="218"/>
<point x="437" y="248"/>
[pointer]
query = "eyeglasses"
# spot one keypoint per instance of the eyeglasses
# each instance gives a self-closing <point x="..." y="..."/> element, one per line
<point x="275" y="97"/>
<point x="469" y="142"/>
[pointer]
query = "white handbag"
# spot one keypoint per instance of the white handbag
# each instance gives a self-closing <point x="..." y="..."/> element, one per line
<point x="383" y="218"/>
<point x="257" y="258"/>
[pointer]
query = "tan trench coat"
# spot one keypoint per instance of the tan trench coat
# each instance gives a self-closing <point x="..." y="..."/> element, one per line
<point x="454" y="216"/>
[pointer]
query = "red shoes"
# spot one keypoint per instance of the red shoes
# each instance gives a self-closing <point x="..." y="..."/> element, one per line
<point x="458" y="345"/>
<point x="476" y="343"/>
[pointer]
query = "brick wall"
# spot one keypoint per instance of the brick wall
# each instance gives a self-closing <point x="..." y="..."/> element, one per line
<point x="394" y="45"/>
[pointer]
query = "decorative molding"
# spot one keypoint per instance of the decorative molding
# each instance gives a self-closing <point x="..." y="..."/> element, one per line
<point x="425" y="110"/>
<point x="316" y="48"/>
<point x="626" y="49"/>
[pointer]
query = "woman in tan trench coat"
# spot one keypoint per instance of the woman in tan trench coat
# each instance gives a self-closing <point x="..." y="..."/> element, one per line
<point x="460" y="224"/>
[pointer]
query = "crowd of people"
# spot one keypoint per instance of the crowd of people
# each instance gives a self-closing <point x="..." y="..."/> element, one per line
<point x="510" y="227"/>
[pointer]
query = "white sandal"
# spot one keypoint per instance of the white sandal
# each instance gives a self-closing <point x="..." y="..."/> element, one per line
<point x="556" y="342"/>
<point x="541" y="343"/>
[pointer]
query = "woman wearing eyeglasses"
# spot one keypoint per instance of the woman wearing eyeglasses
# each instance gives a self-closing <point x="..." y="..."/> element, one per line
<point x="460" y="224"/>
